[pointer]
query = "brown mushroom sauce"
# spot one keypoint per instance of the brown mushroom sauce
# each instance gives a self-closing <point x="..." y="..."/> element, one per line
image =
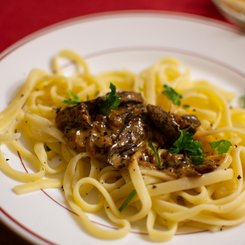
<point x="115" y="137"/>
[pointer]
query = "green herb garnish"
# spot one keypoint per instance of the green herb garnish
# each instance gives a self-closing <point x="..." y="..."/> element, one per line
<point x="186" y="106"/>
<point x="242" y="101"/>
<point x="127" y="200"/>
<point x="73" y="99"/>
<point x="172" y="94"/>
<point x="186" y="144"/>
<point x="112" y="101"/>
<point x="155" y="151"/>
<point x="220" y="146"/>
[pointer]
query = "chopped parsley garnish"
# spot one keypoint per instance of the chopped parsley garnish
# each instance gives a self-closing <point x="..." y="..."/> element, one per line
<point x="112" y="101"/>
<point x="220" y="146"/>
<point x="186" y="106"/>
<point x="155" y="151"/>
<point x="242" y="101"/>
<point x="172" y="94"/>
<point x="127" y="200"/>
<point x="73" y="99"/>
<point x="187" y="145"/>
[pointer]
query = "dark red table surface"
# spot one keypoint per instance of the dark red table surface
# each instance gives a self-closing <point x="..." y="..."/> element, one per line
<point x="18" y="18"/>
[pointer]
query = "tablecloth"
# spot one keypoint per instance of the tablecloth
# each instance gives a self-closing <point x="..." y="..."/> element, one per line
<point x="20" y="18"/>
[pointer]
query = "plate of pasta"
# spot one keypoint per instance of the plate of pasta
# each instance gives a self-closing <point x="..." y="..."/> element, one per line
<point x="135" y="133"/>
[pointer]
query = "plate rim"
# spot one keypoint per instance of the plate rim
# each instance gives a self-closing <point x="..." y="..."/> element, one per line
<point x="118" y="13"/>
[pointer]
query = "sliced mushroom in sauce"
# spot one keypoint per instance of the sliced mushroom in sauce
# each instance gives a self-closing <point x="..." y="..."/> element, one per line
<point x="115" y="137"/>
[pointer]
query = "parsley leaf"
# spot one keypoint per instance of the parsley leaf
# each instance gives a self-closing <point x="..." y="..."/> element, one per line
<point x="242" y="101"/>
<point x="186" y="106"/>
<point x="220" y="146"/>
<point x="152" y="147"/>
<point x="172" y="94"/>
<point x="127" y="200"/>
<point x="112" y="101"/>
<point x="73" y="99"/>
<point x="186" y="144"/>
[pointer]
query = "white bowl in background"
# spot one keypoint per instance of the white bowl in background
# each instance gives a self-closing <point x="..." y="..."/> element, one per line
<point x="233" y="10"/>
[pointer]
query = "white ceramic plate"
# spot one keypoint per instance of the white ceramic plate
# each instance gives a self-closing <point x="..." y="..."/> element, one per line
<point x="130" y="40"/>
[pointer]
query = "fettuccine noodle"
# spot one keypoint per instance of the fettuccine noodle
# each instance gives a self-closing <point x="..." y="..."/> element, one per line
<point x="165" y="205"/>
